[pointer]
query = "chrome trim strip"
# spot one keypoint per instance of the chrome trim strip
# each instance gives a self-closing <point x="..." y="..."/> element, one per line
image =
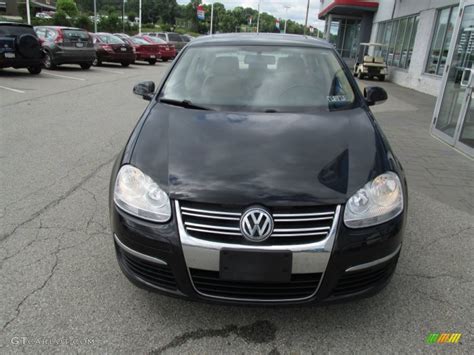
<point x="375" y="262"/>
<point x="210" y="212"/>
<point x="276" y="215"/>
<point x="296" y="230"/>
<point x="307" y="258"/>
<point x="138" y="254"/>
<point x="211" y="231"/>
<point x="301" y="219"/>
<point x="199" y="225"/>
<point x="297" y="234"/>
<point x="207" y="216"/>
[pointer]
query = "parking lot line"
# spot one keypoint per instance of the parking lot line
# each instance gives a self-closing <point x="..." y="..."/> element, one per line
<point x="11" y="89"/>
<point x="110" y="71"/>
<point x="65" y="76"/>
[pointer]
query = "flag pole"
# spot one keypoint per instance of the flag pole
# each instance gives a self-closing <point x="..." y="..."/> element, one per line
<point x="258" y="17"/>
<point x="307" y="13"/>
<point x="212" y="18"/>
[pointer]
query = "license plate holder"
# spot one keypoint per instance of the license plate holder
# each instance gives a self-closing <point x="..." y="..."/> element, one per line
<point x="79" y="45"/>
<point x="123" y="49"/>
<point x="9" y="55"/>
<point x="255" y="266"/>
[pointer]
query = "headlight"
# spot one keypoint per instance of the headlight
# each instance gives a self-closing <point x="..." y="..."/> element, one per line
<point x="377" y="202"/>
<point x="137" y="194"/>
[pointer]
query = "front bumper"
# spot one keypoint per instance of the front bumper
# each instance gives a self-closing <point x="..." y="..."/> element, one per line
<point x="347" y="264"/>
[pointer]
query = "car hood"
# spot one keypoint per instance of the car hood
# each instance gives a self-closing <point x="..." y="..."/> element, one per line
<point x="269" y="158"/>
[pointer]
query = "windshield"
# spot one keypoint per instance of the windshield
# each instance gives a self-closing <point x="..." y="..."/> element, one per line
<point x="109" y="39"/>
<point x="260" y="78"/>
<point x="139" y="41"/>
<point x="157" y="40"/>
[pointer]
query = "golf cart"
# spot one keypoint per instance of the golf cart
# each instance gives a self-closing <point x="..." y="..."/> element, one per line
<point x="373" y="65"/>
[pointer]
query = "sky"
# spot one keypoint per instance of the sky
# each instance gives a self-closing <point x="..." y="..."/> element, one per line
<point x="296" y="12"/>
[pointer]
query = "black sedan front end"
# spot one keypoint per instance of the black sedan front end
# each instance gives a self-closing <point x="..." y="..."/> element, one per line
<point x="279" y="194"/>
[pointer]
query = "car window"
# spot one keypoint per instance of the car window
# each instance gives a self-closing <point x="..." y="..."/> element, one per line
<point x="40" y="32"/>
<point x="109" y="39"/>
<point x="260" y="78"/>
<point x="139" y="41"/>
<point x="50" y="34"/>
<point x="162" y="36"/>
<point x="158" y="40"/>
<point x="75" y="34"/>
<point x="174" y="37"/>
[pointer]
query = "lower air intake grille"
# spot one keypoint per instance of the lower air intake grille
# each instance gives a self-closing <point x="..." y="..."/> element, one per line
<point x="300" y="286"/>
<point x="155" y="274"/>
<point x="357" y="281"/>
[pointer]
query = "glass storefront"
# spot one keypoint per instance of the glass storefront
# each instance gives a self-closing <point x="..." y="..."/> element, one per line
<point x="454" y="115"/>
<point x="344" y="34"/>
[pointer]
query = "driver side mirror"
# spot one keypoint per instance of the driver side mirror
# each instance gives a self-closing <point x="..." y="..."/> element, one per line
<point x="145" y="89"/>
<point x="374" y="95"/>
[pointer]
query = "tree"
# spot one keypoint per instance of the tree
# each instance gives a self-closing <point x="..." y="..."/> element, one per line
<point x="68" y="7"/>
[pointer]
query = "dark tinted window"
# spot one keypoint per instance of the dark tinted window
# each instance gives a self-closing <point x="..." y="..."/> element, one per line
<point x="75" y="34"/>
<point x="174" y="37"/>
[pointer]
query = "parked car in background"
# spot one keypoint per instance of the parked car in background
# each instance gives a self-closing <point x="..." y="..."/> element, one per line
<point x="66" y="45"/>
<point x="187" y="38"/>
<point x="110" y="48"/>
<point x="19" y="47"/>
<point x="144" y="50"/>
<point x="170" y="38"/>
<point x="167" y="51"/>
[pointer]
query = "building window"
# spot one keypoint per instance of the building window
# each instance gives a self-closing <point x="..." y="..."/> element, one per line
<point x="441" y="39"/>
<point x="398" y="36"/>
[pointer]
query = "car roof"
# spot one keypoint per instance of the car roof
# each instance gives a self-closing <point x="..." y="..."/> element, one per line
<point x="61" y="27"/>
<point x="275" y="39"/>
<point x="14" y="24"/>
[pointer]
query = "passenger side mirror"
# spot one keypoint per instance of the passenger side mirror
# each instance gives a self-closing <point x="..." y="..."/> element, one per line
<point x="374" y="95"/>
<point x="145" y="89"/>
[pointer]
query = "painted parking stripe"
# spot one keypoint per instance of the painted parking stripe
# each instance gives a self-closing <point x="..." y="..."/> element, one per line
<point x="11" y="89"/>
<point x="65" y="76"/>
<point x="110" y="71"/>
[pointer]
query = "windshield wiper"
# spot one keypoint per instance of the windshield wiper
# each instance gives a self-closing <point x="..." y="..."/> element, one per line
<point x="185" y="104"/>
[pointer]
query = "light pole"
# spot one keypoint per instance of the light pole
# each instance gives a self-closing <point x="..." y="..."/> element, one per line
<point x="286" y="20"/>
<point x="28" y="16"/>
<point x="140" y="17"/>
<point x="258" y="17"/>
<point x="212" y="18"/>
<point x="123" y="16"/>
<point x="95" y="16"/>
<point x="307" y="13"/>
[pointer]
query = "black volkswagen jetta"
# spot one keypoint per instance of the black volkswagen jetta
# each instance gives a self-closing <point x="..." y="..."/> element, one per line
<point x="258" y="174"/>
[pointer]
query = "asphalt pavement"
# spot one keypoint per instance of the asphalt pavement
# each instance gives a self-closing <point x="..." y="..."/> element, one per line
<point x="61" y="289"/>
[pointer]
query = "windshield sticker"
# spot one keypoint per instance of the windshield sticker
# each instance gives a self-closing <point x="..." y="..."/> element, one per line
<point x="337" y="98"/>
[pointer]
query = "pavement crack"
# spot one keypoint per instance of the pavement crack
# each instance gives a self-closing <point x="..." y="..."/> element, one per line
<point x="58" y="200"/>
<point x="42" y="286"/>
<point x="258" y="332"/>
<point x="454" y="235"/>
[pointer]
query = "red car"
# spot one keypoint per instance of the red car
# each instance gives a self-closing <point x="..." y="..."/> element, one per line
<point x="167" y="51"/>
<point x="110" y="48"/>
<point x="145" y="51"/>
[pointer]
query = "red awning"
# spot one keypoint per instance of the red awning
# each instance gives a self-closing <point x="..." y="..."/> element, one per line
<point x="368" y="5"/>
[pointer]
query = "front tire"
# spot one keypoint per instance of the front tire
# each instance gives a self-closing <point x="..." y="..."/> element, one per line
<point x="152" y="61"/>
<point x="165" y="60"/>
<point x="86" y="66"/>
<point x="125" y="64"/>
<point x="360" y="75"/>
<point x="382" y="78"/>
<point x="97" y="62"/>
<point x="35" y="69"/>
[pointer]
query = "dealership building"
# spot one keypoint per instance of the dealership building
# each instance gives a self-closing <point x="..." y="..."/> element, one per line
<point x="421" y="40"/>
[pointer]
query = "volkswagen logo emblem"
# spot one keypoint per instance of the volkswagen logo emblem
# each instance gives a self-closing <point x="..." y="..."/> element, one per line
<point x="256" y="224"/>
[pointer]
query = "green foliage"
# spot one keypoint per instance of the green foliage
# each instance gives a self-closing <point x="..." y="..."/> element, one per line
<point x="69" y="7"/>
<point x="84" y="22"/>
<point x="61" y="19"/>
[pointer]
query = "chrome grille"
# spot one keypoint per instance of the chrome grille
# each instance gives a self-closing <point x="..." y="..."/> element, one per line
<point x="293" y="225"/>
